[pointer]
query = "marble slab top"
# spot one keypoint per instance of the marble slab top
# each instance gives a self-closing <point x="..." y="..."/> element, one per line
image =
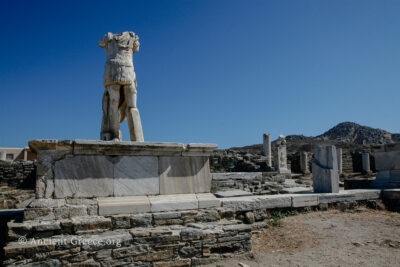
<point x="93" y="147"/>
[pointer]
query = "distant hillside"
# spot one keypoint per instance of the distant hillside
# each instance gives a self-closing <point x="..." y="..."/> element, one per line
<point x="350" y="132"/>
<point x="345" y="134"/>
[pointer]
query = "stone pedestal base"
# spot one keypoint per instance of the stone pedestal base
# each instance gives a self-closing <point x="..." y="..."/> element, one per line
<point x="88" y="169"/>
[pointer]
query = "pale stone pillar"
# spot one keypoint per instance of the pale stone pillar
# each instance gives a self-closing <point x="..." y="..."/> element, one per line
<point x="339" y="160"/>
<point x="325" y="170"/>
<point x="365" y="162"/>
<point x="267" y="148"/>
<point x="304" y="162"/>
<point x="281" y="156"/>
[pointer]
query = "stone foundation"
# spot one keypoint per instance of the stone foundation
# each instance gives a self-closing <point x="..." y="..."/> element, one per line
<point x="87" y="168"/>
<point x="185" y="238"/>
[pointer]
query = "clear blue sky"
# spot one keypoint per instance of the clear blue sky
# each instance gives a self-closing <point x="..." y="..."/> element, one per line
<point x="214" y="71"/>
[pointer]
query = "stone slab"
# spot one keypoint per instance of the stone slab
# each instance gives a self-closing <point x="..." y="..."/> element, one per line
<point x="295" y="190"/>
<point x="184" y="175"/>
<point x="304" y="200"/>
<point x="208" y="200"/>
<point x="173" y="202"/>
<point x="257" y="202"/>
<point x="350" y="195"/>
<point x="136" y="175"/>
<point x="123" y="205"/>
<point x="84" y="176"/>
<point x="121" y="148"/>
<point x="236" y="176"/>
<point x="232" y="193"/>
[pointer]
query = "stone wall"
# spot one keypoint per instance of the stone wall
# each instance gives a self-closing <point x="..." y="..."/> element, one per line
<point x="185" y="238"/>
<point x="17" y="182"/>
<point x="18" y="173"/>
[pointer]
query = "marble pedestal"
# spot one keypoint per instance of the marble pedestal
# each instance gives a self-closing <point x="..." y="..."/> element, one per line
<point x="91" y="168"/>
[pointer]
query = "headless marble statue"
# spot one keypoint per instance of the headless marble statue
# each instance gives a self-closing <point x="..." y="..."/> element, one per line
<point x="119" y="99"/>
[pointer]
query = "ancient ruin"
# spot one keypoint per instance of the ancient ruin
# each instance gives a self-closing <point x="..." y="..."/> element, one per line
<point x="113" y="203"/>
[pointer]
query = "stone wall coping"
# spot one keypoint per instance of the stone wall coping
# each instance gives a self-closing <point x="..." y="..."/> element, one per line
<point x="91" y="147"/>
<point x="297" y="200"/>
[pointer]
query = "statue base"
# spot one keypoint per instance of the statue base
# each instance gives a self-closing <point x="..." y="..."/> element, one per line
<point x="91" y="168"/>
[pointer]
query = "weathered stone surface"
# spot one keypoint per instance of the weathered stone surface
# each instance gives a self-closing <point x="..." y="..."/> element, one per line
<point x="366" y="163"/>
<point x="173" y="202"/>
<point x="46" y="226"/>
<point x="121" y="221"/>
<point x="184" y="175"/>
<point x="281" y="156"/>
<point x="38" y="213"/>
<point x="141" y="220"/>
<point x="136" y="176"/>
<point x="123" y="205"/>
<point x="349" y="195"/>
<point x="82" y="224"/>
<point x="207" y="200"/>
<point x="387" y="160"/>
<point x="304" y="200"/>
<point x="304" y="162"/>
<point x="325" y="170"/>
<point x="257" y="202"/>
<point x="249" y="217"/>
<point x="47" y="203"/>
<point x="69" y="211"/>
<point x="84" y="176"/>
<point x="89" y="168"/>
<point x="294" y="190"/>
<point x="267" y="151"/>
<point x="119" y="99"/>
<point x="232" y="193"/>
<point x="236" y="176"/>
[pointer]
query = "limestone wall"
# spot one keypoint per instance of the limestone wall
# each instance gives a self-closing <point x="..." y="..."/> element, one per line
<point x="18" y="173"/>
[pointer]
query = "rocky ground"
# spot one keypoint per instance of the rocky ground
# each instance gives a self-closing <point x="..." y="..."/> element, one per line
<point x="360" y="237"/>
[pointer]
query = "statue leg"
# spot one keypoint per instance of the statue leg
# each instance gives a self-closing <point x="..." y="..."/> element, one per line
<point x="113" y="114"/>
<point x="105" y="128"/>
<point x="132" y="113"/>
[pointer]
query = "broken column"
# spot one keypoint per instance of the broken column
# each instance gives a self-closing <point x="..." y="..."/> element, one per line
<point x="281" y="156"/>
<point x="339" y="159"/>
<point x="365" y="163"/>
<point x="267" y="148"/>
<point x="325" y="170"/>
<point x="304" y="162"/>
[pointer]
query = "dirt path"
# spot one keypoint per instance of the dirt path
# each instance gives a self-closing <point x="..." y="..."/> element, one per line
<point x="331" y="238"/>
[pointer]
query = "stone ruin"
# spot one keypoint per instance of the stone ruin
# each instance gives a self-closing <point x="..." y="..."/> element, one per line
<point x="114" y="203"/>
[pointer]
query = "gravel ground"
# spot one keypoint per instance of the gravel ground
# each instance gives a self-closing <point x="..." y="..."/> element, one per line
<point x="331" y="238"/>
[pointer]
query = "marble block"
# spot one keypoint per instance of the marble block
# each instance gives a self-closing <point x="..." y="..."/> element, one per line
<point x="208" y="200"/>
<point x="123" y="205"/>
<point x="184" y="175"/>
<point x="173" y="202"/>
<point x="135" y="176"/>
<point x="92" y="168"/>
<point x="83" y="176"/>
<point x="325" y="170"/>
<point x="304" y="200"/>
<point x="325" y="180"/>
